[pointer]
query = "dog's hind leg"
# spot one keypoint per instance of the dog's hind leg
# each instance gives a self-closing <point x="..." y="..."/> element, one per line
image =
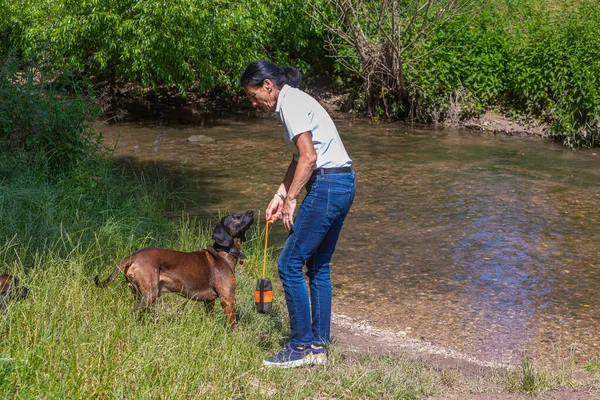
<point x="209" y="306"/>
<point x="229" y="309"/>
<point x="141" y="305"/>
<point x="146" y="292"/>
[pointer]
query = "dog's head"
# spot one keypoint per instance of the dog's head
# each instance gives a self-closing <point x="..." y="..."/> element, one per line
<point x="232" y="226"/>
<point x="10" y="289"/>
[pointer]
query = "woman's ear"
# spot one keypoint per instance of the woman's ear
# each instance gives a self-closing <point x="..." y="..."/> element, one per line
<point x="268" y="85"/>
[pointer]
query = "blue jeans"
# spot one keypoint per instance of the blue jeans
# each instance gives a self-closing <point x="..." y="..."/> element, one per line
<point x="311" y="242"/>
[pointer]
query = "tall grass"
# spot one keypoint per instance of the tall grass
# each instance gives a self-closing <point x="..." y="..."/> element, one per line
<point x="47" y="118"/>
<point x="70" y="339"/>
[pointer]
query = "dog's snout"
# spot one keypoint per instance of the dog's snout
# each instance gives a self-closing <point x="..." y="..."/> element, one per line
<point x="249" y="217"/>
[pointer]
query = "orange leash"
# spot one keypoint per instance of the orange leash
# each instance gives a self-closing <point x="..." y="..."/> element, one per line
<point x="263" y="297"/>
<point x="266" y="243"/>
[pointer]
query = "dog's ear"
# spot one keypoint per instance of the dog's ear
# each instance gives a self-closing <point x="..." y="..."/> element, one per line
<point x="221" y="236"/>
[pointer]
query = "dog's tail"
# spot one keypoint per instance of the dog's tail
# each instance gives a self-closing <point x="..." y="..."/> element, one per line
<point x="108" y="280"/>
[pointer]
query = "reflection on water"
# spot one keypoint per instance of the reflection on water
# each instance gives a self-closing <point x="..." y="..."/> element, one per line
<point x="484" y="244"/>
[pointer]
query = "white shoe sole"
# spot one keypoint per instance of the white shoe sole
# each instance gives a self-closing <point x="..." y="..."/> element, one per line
<point x="312" y="360"/>
<point x="320" y="359"/>
<point x="288" y="364"/>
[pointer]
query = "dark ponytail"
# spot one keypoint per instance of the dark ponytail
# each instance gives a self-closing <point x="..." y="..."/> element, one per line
<point x="293" y="76"/>
<point x="258" y="71"/>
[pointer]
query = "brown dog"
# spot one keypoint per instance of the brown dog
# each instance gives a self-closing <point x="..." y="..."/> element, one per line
<point x="201" y="275"/>
<point x="10" y="289"/>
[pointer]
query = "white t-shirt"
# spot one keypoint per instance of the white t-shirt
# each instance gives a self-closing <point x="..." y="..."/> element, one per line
<point x="300" y="113"/>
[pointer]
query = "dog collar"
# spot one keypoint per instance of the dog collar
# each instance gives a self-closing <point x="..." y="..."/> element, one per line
<point x="232" y="251"/>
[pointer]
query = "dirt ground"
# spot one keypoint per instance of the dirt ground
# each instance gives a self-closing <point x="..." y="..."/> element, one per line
<point x="488" y="122"/>
<point x="496" y="123"/>
<point x="355" y="338"/>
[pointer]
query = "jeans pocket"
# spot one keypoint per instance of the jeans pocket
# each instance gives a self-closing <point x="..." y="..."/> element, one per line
<point x="338" y="202"/>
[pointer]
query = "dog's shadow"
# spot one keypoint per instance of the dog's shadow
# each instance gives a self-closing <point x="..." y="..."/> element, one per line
<point x="169" y="310"/>
<point x="174" y="309"/>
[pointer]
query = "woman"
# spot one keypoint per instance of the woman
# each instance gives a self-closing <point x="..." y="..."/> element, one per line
<point x="321" y="165"/>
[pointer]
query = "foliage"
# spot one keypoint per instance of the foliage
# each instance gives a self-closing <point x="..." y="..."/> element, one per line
<point x="48" y="120"/>
<point x="291" y="37"/>
<point x="203" y="44"/>
<point x="555" y="71"/>
<point x="471" y="68"/>
<point x="9" y="32"/>
<point x="593" y="365"/>
<point x="378" y="41"/>
<point x="416" y="60"/>
<point x="537" y="58"/>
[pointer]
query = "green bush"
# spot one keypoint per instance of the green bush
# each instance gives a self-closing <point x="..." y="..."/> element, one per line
<point x="47" y="120"/>
<point x="203" y="44"/>
<point x="555" y="69"/>
<point x="523" y="56"/>
<point x="537" y="58"/>
<point x="471" y="68"/>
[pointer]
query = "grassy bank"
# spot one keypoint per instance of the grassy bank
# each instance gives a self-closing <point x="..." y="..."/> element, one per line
<point x="69" y="339"/>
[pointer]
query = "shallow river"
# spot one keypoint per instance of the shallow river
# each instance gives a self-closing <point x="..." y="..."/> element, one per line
<point x="488" y="245"/>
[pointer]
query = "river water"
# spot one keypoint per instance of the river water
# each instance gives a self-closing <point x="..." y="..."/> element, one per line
<point x="485" y="244"/>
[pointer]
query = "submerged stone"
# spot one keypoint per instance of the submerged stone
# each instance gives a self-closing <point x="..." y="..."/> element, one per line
<point x="202" y="139"/>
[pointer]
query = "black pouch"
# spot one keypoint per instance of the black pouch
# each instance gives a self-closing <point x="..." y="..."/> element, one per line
<point x="263" y="297"/>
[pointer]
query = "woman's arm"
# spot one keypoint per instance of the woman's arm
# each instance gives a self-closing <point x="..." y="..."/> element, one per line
<point x="305" y="165"/>
<point x="275" y="208"/>
<point x="303" y="171"/>
<point x="298" y="173"/>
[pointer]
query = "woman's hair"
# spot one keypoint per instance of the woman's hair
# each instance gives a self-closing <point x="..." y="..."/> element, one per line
<point x="258" y="71"/>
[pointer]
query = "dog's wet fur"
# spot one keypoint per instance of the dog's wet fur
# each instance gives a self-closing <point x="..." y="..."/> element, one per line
<point x="203" y="275"/>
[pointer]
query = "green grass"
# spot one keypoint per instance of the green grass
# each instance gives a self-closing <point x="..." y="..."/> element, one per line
<point x="70" y="339"/>
<point x="593" y="365"/>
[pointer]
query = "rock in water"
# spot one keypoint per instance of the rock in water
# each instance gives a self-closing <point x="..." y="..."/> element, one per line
<point x="202" y="139"/>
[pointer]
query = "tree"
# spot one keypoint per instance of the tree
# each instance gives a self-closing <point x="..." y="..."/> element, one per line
<point x="378" y="40"/>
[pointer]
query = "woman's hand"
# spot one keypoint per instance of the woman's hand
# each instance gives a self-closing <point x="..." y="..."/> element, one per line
<point x="289" y="208"/>
<point x="274" y="209"/>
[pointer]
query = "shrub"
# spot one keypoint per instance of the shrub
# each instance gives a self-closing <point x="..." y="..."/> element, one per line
<point x="538" y="58"/>
<point x="47" y="120"/>
<point x="555" y="68"/>
<point x="203" y="44"/>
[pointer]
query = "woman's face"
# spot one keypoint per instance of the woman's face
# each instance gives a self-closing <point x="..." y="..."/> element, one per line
<point x="263" y="96"/>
